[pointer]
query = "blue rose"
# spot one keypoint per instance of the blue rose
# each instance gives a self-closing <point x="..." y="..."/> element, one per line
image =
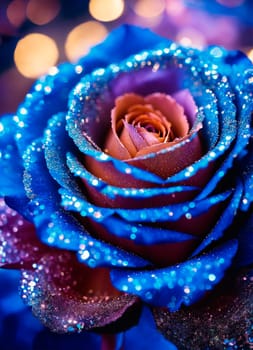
<point x="129" y="175"/>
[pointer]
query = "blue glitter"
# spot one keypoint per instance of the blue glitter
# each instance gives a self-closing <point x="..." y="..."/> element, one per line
<point x="224" y="221"/>
<point x="180" y="284"/>
<point x="59" y="228"/>
<point x="171" y="212"/>
<point x="112" y="191"/>
<point x="143" y="234"/>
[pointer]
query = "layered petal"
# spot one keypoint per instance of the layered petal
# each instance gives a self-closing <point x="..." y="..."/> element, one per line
<point x="180" y="284"/>
<point x="19" y="246"/>
<point x="69" y="297"/>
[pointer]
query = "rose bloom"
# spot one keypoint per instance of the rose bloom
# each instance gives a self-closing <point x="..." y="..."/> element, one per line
<point x="127" y="185"/>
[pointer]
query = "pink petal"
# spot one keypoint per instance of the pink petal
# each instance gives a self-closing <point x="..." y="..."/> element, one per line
<point x="19" y="246"/>
<point x="185" y="99"/>
<point x="132" y="139"/>
<point x="67" y="296"/>
<point x="171" y="110"/>
<point x="113" y="145"/>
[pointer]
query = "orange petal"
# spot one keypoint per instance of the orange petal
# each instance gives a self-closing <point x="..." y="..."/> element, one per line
<point x="166" y="163"/>
<point x="171" y="110"/>
<point x="113" y="144"/>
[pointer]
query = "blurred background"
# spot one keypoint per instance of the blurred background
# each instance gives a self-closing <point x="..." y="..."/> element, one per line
<point x="38" y="34"/>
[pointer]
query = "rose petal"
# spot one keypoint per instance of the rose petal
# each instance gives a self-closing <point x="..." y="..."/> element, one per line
<point x="118" y="176"/>
<point x="19" y="246"/>
<point x="171" y="212"/>
<point x="69" y="297"/>
<point x="124" y="141"/>
<point x="223" y="320"/>
<point x="157" y="254"/>
<point x="103" y="194"/>
<point x="178" y="284"/>
<point x="185" y="99"/>
<point x="174" y="112"/>
<point x="59" y="228"/>
<point x="132" y="139"/>
<point x="165" y="160"/>
<point x="224" y="218"/>
<point x="10" y="161"/>
<point x="113" y="144"/>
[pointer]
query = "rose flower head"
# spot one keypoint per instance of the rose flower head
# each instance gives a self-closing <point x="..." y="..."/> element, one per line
<point x="127" y="181"/>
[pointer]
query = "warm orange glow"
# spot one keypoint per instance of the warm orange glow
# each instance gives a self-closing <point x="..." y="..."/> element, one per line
<point x="35" y="54"/>
<point x="250" y="54"/>
<point x="106" y="11"/>
<point x="149" y="8"/>
<point x="42" y="12"/>
<point x="16" y="12"/>
<point x="82" y="38"/>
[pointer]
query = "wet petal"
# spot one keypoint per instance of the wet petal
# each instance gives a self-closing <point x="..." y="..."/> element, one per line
<point x="180" y="284"/>
<point x="69" y="297"/>
<point x="19" y="246"/>
<point x="221" y="321"/>
<point x="10" y="161"/>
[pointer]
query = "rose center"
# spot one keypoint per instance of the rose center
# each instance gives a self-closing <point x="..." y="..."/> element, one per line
<point x="145" y="127"/>
<point x="141" y="123"/>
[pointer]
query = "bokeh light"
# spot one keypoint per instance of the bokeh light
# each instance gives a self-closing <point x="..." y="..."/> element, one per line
<point x="250" y="54"/>
<point x="82" y="37"/>
<point x="35" y="54"/>
<point x="42" y="12"/>
<point x="106" y="11"/>
<point x="175" y="7"/>
<point x="149" y="8"/>
<point x="191" y="37"/>
<point x="16" y="12"/>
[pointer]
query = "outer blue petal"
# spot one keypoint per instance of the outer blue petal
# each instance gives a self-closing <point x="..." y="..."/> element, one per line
<point x="134" y="38"/>
<point x="180" y="284"/>
<point x="110" y="191"/>
<point x="143" y="234"/>
<point x="246" y="165"/>
<point x="57" y="144"/>
<point x="20" y="330"/>
<point x="59" y="228"/>
<point x="225" y="220"/>
<point x="11" y="183"/>
<point x="171" y="212"/>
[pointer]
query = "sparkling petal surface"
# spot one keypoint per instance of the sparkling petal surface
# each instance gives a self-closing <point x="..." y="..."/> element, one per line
<point x="171" y="212"/>
<point x="60" y="292"/>
<point x="19" y="245"/>
<point x="59" y="228"/>
<point x="224" y="323"/>
<point x="11" y="172"/>
<point x="49" y="94"/>
<point x="180" y="284"/>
